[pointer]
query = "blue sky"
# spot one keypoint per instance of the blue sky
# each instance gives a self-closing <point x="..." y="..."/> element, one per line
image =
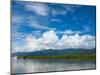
<point x="33" y="21"/>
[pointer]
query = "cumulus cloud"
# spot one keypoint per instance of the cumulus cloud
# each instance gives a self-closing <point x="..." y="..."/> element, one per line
<point x="49" y="40"/>
<point x="77" y="41"/>
<point x="38" y="8"/>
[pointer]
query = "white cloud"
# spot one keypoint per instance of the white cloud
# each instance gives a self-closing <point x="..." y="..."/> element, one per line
<point x="16" y="19"/>
<point x="56" y="20"/>
<point x="87" y="28"/>
<point x="38" y="8"/>
<point x="36" y="33"/>
<point x="43" y="9"/>
<point x="69" y="32"/>
<point x="59" y="12"/>
<point x="36" y="24"/>
<point x="32" y="43"/>
<point x="65" y="10"/>
<point x="77" y="41"/>
<point x="49" y="40"/>
<point x="39" y="26"/>
<point x="31" y="21"/>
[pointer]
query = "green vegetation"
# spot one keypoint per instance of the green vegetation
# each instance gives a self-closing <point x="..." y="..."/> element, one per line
<point x="67" y="57"/>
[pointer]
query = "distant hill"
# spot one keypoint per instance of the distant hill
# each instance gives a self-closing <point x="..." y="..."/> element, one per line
<point x="52" y="52"/>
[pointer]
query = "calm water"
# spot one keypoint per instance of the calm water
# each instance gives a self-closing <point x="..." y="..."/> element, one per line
<point x="44" y="65"/>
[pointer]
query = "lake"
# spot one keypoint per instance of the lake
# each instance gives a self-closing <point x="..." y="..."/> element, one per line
<point x="44" y="65"/>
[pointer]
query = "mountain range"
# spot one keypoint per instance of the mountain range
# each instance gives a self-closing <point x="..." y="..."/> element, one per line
<point x="57" y="52"/>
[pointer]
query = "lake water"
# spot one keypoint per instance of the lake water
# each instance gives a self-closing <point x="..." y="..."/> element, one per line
<point x="44" y="65"/>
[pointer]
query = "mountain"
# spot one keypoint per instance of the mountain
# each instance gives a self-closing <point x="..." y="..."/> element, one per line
<point x="57" y="52"/>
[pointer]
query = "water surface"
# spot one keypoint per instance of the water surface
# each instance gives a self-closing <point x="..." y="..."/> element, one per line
<point x="44" y="65"/>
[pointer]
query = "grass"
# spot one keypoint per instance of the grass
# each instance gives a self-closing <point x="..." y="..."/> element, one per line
<point x="67" y="57"/>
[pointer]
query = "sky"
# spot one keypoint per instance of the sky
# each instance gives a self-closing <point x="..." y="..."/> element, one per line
<point x="41" y="26"/>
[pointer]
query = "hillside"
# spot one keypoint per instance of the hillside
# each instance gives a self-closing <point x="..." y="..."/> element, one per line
<point x="54" y="52"/>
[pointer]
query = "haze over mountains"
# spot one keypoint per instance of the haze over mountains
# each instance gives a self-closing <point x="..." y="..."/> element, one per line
<point x="51" y="52"/>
